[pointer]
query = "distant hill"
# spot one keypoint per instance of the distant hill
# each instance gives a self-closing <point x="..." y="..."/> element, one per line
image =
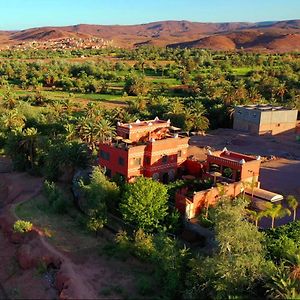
<point x="269" y="36"/>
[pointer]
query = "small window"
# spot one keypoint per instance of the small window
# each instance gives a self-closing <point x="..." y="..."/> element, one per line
<point x="104" y="155"/>
<point x="147" y="160"/>
<point x="179" y="153"/>
<point x="278" y="125"/>
<point x="121" y="161"/>
<point x="165" y="159"/>
<point x="137" y="161"/>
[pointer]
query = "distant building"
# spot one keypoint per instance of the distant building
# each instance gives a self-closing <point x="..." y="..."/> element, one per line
<point x="265" y="119"/>
<point x="150" y="148"/>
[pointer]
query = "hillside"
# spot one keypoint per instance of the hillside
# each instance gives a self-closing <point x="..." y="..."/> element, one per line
<point x="265" y="36"/>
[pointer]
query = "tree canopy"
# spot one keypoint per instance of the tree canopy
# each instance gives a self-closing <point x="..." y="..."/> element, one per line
<point x="144" y="203"/>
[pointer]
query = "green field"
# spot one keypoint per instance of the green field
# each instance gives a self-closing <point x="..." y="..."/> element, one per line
<point x="64" y="232"/>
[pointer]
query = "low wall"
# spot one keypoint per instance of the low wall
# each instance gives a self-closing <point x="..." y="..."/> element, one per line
<point x="192" y="206"/>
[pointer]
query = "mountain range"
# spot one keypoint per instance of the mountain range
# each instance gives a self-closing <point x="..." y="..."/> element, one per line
<point x="277" y="36"/>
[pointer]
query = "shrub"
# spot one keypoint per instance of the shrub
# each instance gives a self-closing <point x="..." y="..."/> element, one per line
<point x="144" y="286"/>
<point x="143" y="244"/>
<point x="56" y="199"/>
<point x="22" y="226"/>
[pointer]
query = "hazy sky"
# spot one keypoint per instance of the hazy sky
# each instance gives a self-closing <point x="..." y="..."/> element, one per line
<point x="20" y="14"/>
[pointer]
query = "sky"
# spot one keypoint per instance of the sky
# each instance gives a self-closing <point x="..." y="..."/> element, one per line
<point x="21" y="14"/>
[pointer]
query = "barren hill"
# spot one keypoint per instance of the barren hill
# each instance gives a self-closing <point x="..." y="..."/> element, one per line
<point x="266" y="36"/>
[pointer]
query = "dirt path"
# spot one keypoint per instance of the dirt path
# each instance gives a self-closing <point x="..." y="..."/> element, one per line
<point x="82" y="273"/>
<point x="21" y="188"/>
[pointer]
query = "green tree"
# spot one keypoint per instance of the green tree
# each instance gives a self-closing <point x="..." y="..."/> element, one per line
<point x="136" y="85"/>
<point x="28" y="143"/>
<point x="255" y="216"/>
<point x="92" y="131"/>
<point x="275" y="211"/>
<point x="13" y="120"/>
<point x="144" y="203"/>
<point x="293" y="204"/>
<point x="238" y="261"/>
<point x="101" y="195"/>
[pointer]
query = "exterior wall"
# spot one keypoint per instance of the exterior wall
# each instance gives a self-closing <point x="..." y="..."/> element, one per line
<point x="160" y="159"/>
<point x="194" y="167"/>
<point x="113" y="162"/>
<point x="165" y="157"/>
<point x="298" y="127"/>
<point x="193" y="205"/>
<point x="248" y="170"/>
<point x="137" y="132"/>
<point x="135" y="153"/>
<point x="260" y="121"/>
<point x="246" y="120"/>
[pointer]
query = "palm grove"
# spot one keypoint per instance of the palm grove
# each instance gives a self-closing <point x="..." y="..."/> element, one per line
<point x="49" y="131"/>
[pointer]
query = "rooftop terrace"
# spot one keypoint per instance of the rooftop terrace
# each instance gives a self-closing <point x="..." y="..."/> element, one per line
<point x="233" y="156"/>
<point x="139" y="124"/>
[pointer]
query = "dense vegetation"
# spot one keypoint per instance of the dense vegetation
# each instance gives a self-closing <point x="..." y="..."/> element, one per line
<point x="54" y="114"/>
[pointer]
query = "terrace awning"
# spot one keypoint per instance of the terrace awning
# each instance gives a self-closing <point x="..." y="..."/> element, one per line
<point x="264" y="194"/>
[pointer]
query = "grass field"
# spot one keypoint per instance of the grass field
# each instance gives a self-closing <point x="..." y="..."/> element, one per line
<point x="242" y="71"/>
<point x="112" y="100"/>
<point x="63" y="231"/>
<point x="115" y="276"/>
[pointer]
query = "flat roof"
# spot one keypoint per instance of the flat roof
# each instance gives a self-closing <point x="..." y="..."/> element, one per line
<point x="264" y="107"/>
<point x="264" y="194"/>
<point x="233" y="156"/>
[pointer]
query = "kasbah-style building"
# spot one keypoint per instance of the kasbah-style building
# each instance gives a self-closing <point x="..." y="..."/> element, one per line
<point x="158" y="150"/>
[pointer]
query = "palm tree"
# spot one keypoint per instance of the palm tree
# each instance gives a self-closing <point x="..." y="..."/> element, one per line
<point x="283" y="285"/>
<point x="281" y="90"/>
<point x="93" y="132"/>
<point x="28" y="142"/>
<point x="9" y="99"/>
<point x="200" y="121"/>
<point x="71" y="132"/>
<point x="251" y="185"/>
<point x="176" y="107"/>
<point x="256" y="216"/>
<point x="293" y="204"/>
<point x="105" y="131"/>
<point x="254" y="95"/>
<point x="276" y="211"/>
<point x="13" y="120"/>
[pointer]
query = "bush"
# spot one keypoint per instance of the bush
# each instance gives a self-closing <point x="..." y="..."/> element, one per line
<point x="143" y="245"/>
<point x="22" y="226"/>
<point x="144" y="286"/>
<point x="205" y="222"/>
<point x="56" y="199"/>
